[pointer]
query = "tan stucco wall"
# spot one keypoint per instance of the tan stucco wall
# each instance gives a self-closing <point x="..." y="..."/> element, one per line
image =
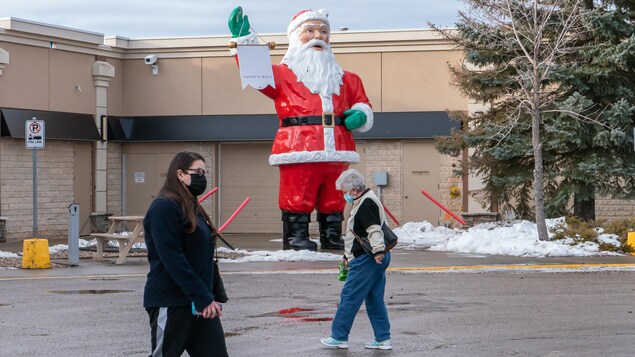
<point x="71" y="82"/>
<point x="116" y="90"/>
<point x="47" y="79"/>
<point x="175" y="91"/>
<point x="419" y="81"/>
<point x="25" y="81"/>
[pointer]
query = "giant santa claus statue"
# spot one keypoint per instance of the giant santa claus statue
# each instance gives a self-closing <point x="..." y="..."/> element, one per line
<point x="319" y="106"/>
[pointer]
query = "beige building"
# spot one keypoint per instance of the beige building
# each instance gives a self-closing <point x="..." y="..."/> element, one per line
<point x="113" y="123"/>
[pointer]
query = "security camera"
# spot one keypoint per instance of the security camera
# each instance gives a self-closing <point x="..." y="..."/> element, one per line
<point x="150" y="59"/>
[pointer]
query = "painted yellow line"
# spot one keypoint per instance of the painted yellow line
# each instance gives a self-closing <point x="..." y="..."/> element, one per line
<point x="105" y="276"/>
<point x="324" y="271"/>
<point x="513" y="266"/>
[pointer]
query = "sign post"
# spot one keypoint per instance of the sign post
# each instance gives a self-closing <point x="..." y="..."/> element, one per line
<point x="34" y="140"/>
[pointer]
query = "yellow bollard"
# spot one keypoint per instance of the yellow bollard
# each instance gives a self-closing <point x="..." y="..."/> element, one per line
<point x="630" y="240"/>
<point x="35" y="254"/>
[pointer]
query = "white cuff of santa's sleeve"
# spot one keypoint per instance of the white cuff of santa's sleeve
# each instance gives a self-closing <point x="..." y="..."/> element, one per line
<point x="369" y="116"/>
<point x="250" y="39"/>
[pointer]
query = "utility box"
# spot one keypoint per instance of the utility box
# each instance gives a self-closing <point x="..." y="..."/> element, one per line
<point x="380" y="178"/>
<point x="73" y="234"/>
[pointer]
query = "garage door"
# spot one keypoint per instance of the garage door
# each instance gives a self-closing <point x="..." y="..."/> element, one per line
<point x="245" y="172"/>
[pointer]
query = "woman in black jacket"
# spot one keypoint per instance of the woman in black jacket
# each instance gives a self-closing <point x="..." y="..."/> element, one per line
<point x="180" y="240"/>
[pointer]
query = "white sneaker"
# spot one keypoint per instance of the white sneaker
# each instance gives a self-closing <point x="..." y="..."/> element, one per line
<point x="333" y="343"/>
<point x="383" y="345"/>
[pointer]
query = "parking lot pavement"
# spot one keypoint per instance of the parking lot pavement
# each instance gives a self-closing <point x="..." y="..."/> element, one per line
<point x="96" y="310"/>
<point x="283" y="308"/>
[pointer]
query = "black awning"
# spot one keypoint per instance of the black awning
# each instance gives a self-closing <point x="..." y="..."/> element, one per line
<point x="393" y="125"/>
<point x="59" y="125"/>
<point x="193" y="128"/>
<point x="409" y="125"/>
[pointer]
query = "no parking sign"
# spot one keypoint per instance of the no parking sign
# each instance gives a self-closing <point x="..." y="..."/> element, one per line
<point x="34" y="134"/>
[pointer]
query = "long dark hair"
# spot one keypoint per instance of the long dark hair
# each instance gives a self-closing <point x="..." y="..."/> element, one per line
<point x="174" y="190"/>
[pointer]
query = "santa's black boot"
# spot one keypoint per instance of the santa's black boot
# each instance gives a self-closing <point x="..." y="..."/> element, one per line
<point x="295" y="231"/>
<point x="331" y="230"/>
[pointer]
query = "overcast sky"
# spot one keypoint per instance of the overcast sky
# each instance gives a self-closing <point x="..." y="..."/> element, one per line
<point x="170" y="18"/>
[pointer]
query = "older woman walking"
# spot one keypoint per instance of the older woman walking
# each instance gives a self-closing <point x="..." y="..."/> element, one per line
<point x="366" y="281"/>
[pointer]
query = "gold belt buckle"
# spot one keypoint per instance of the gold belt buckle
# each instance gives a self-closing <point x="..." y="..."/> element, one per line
<point x="324" y="116"/>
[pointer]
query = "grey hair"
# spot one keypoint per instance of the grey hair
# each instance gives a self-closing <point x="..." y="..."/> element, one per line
<point x="349" y="179"/>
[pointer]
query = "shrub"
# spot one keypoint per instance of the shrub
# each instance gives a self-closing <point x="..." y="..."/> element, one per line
<point x="582" y="231"/>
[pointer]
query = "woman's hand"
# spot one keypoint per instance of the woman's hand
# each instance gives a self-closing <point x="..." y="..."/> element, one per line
<point x="345" y="261"/>
<point x="212" y="310"/>
<point x="379" y="258"/>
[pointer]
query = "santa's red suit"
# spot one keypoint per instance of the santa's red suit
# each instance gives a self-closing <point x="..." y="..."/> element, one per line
<point x="305" y="136"/>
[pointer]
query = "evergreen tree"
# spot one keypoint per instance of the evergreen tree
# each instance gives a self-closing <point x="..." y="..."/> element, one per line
<point x="583" y="128"/>
<point x="597" y="160"/>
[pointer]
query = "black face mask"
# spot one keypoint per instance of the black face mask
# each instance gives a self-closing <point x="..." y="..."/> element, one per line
<point x="198" y="184"/>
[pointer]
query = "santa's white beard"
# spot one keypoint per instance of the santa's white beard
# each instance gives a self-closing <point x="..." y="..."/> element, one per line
<point x="317" y="70"/>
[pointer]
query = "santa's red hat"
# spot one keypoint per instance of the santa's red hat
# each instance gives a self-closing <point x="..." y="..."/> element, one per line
<point x="306" y="15"/>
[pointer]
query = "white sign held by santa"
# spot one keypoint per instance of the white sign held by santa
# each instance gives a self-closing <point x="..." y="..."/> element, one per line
<point x="255" y="67"/>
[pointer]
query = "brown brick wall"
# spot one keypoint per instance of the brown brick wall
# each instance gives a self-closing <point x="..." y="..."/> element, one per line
<point x="386" y="156"/>
<point x="614" y="209"/>
<point x="114" y="179"/>
<point x="54" y="188"/>
<point x="447" y="180"/>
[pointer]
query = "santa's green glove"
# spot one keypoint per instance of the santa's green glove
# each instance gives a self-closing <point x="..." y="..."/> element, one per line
<point x="354" y="119"/>
<point x="238" y="24"/>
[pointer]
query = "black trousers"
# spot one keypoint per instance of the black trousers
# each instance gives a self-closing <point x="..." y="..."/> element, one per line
<point x="175" y="330"/>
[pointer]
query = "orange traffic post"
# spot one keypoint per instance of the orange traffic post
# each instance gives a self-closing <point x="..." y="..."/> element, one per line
<point x="205" y="196"/>
<point x="240" y="208"/>
<point x="391" y="216"/>
<point x="443" y="207"/>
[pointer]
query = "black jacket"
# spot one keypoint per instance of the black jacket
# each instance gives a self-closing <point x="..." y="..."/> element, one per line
<point x="367" y="215"/>
<point x="181" y="264"/>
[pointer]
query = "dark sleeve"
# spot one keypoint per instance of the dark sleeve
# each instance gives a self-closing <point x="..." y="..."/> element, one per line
<point x="167" y="227"/>
<point x="366" y="216"/>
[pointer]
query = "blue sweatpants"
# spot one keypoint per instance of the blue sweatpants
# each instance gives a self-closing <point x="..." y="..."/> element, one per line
<point x="366" y="282"/>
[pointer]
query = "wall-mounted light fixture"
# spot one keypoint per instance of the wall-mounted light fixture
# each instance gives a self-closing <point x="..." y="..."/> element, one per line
<point x="104" y="127"/>
<point x="152" y="61"/>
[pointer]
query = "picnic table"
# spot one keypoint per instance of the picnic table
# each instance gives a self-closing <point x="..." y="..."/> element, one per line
<point x="126" y="239"/>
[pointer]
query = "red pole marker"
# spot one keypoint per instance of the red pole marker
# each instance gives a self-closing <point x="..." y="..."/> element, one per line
<point x="391" y="216"/>
<point x="240" y="208"/>
<point x="205" y="196"/>
<point x="443" y="207"/>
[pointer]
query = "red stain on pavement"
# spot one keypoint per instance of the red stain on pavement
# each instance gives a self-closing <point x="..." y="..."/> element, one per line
<point x="288" y="314"/>
<point x="293" y="310"/>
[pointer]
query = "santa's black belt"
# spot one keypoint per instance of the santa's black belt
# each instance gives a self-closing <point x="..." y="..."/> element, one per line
<point x="326" y="120"/>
